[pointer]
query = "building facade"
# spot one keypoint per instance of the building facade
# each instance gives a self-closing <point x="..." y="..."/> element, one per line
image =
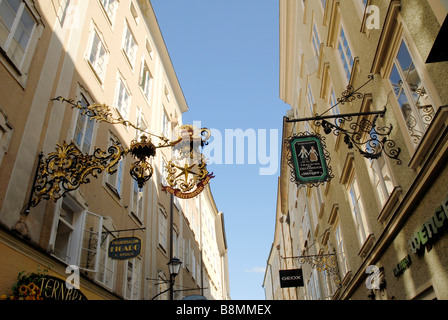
<point x="381" y="221"/>
<point x="97" y="52"/>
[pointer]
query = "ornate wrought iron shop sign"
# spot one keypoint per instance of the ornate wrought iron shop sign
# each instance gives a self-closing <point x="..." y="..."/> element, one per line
<point x="359" y="130"/>
<point x="67" y="168"/>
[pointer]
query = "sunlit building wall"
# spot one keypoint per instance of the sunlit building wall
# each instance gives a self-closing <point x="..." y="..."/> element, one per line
<point x="383" y="220"/>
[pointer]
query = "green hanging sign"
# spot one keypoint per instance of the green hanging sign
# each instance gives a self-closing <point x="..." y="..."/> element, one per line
<point x="309" y="159"/>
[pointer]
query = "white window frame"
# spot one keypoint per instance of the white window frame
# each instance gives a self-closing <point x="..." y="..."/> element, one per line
<point x="122" y="98"/>
<point x="19" y="70"/>
<point x="132" y="279"/>
<point x="129" y="45"/>
<point x="165" y="125"/>
<point x="102" y="52"/>
<point x="79" y="134"/>
<point x="109" y="8"/>
<point x="358" y="211"/>
<point x="343" y="57"/>
<point x="74" y="239"/>
<point x="415" y="134"/>
<point x="163" y="228"/>
<point x="106" y="265"/>
<point x="6" y="132"/>
<point x="381" y="179"/>
<point x="341" y="251"/>
<point x="137" y="200"/>
<point x="315" y="39"/>
<point x="146" y="80"/>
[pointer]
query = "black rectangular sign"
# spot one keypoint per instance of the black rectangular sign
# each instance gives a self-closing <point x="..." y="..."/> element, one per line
<point x="291" y="278"/>
<point x="125" y="248"/>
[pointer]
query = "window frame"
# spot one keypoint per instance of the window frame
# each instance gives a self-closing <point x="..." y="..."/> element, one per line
<point x="77" y="115"/>
<point x="129" y="45"/>
<point x="105" y="263"/>
<point x="20" y="72"/>
<point x="121" y="89"/>
<point x="74" y="243"/>
<point x="162" y="238"/>
<point x="412" y="137"/>
<point x="343" y="59"/>
<point x="99" y="72"/>
<point x="133" y="281"/>
<point x="17" y="21"/>
<point x="110" y="18"/>
<point x="146" y="80"/>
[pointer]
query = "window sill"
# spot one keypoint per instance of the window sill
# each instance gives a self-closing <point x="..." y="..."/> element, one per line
<point x="367" y="245"/>
<point x="431" y="138"/>
<point x="113" y="191"/>
<point x="390" y="204"/>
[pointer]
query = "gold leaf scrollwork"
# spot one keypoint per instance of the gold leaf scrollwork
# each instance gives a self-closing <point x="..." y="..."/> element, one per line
<point x="67" y="168"/>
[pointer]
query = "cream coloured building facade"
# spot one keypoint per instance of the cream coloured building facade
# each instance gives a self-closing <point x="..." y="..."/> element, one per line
<point x="111" y="52"/>
<point x="383" y="220"/>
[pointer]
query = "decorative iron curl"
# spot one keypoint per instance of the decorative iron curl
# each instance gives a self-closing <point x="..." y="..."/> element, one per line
<point x="370" y="141"/>
<point x="67" y="168"/>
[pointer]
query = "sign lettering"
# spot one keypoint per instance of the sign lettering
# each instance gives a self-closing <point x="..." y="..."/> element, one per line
<point x="53" y="288"/>
<point x="291" y="278"/>
<point x="429" y="231"/>
<point x="125" y="248"/>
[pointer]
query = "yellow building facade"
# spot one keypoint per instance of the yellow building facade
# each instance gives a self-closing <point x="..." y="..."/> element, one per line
<point x="95" y="52"/>
<point x="377" y="228"/>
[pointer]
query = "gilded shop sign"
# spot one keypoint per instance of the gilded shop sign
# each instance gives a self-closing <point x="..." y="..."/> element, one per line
<point x="431" y="229"/>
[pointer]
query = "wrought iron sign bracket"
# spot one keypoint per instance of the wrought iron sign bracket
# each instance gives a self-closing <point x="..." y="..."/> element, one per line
<point x="359" y="130"/>
<point x="328" y="263"/>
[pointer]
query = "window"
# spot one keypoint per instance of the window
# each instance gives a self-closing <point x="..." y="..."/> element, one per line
<point x="110" y="8"/>
<point x="314" y="286"/>
<point x="176" y="252"/>
<point x="132" y="279"/>
<point x="340" y="247"/>
<point x="76" y="235"/>
<point x="410" y="92"/>
<point x="6" y="131"/>
<point x="165" y="124"/>
<point x="345" y="54"/>
<point x="334" y="102"/>
<point x="145" y="80"/>
<point x="17" y="27"/>
<point x="129" y="45"/>
<point x="97" y="56"/>
<point x="137" y="200"/>
<point x="63" y="10"/>
<point x="358" y="212"/>
<point x="324" y="3"/>
<point x="316" y="41"/>
<point x="84" y="128"/>
<point x="163" y="227"/>
<point x="106" y="266"/>
<point x="310" y="100"/>
<point x="122" y="99"/>
<point x="115" y="180"/>
<point x="381" y="178"/>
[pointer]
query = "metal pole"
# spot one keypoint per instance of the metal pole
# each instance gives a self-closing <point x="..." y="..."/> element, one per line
<point x="171" y="245"/>
<point x="337" y="116"/>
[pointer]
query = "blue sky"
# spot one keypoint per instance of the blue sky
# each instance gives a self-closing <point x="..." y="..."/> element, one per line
<point x="225" y="53"/>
